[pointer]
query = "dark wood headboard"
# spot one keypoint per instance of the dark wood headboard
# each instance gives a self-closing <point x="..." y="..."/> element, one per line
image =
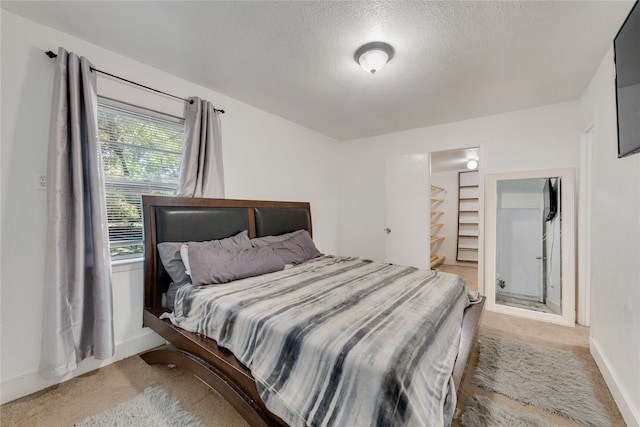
<point x="182" y="219"/>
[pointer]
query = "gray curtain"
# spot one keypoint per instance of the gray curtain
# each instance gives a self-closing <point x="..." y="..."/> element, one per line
<point x="78" y="313"/>
<point x="201" y="173"/>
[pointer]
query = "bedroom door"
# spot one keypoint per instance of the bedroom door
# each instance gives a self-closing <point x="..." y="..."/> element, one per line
<point x="519" y="253"/>
<point x="406" y="228"/>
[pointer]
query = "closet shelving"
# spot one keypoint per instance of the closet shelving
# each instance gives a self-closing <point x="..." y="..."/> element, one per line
<point x="436" y="226"/>
<point x="468" y="216"/>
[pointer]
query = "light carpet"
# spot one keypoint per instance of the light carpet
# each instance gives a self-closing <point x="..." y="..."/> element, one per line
<point x="552" y="380"/>
<point x="483" y="412"/>
<point x="154" y="407"/>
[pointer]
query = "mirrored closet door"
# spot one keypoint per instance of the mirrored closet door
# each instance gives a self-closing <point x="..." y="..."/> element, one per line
<point x="530" y="271"/>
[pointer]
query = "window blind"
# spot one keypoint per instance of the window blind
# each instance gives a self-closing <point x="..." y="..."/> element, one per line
<point x="141" y="154"/>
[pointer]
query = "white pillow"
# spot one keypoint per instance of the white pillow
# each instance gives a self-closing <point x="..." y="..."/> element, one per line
<point x="184" y="254"/>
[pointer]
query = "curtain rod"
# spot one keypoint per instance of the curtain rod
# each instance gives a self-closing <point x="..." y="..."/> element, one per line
<point x="51" y="54"/>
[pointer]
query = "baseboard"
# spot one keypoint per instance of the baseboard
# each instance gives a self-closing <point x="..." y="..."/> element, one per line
<point x="31" y="382"/>
<point x="454" y="263"/>
<point x="630" y="414"/>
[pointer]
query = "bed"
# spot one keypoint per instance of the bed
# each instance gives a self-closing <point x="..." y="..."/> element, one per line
<point x="170" y="219"/>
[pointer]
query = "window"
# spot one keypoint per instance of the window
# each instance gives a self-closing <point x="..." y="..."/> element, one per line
<point x="141" y="153"/>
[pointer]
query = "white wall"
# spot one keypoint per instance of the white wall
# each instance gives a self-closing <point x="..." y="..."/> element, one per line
<point x="540" y="138"/>
<point x="615" y="248"/>
<point x="265" y="157"/>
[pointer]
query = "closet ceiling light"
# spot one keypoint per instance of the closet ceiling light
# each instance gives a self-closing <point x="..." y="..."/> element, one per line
<point x="472" y="164"/>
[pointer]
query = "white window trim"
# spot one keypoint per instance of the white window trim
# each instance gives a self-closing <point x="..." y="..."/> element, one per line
<point x="127" y="264"/>
<point x="140" y="110"/>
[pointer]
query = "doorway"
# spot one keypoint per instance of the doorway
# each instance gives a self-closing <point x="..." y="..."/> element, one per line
<point x="455" y="212"/>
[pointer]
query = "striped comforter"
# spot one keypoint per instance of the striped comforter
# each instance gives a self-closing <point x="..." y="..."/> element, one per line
<point x="340" y="341"/>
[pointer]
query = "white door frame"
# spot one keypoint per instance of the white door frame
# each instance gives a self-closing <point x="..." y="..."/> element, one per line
<point x="585" y="172"/>
<point x="481" y="196"/>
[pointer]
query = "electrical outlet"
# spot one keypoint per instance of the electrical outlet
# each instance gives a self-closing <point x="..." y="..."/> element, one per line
<point x="41" y="181"/>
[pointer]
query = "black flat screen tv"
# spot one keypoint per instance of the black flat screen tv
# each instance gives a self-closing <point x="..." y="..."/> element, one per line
<point x="626" y="48"/>
<point x="550" y="200"/>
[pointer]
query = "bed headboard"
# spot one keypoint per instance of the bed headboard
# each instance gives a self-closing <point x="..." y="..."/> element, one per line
<point x="183" y="219"/>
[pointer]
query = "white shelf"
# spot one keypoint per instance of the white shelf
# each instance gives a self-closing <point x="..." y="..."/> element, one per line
<point x="468" y="216"/>
<point x="436" y="226"/>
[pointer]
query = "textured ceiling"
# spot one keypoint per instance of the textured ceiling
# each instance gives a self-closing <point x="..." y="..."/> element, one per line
<point x="453" y="60"/>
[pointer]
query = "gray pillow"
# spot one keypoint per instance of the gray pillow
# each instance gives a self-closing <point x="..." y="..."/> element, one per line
<point x="171" y="296"/>
<point x="214" y="266"/>
<point x="170" y="253"/>
<point x="267" y="240"/>
<point x="296" y="249"/>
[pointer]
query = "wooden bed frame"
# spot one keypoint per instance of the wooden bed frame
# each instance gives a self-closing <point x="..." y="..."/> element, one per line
<point x="191" y="219"/>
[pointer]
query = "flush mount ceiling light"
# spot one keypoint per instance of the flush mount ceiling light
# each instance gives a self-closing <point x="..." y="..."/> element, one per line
<point x="374" y="56"/>
<point x="472" y="164"/>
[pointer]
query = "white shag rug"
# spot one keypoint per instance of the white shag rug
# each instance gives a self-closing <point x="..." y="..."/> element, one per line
<point x="552" y="380"/>
<point x="483" y="412"/>
<point x="154" y="407"/>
